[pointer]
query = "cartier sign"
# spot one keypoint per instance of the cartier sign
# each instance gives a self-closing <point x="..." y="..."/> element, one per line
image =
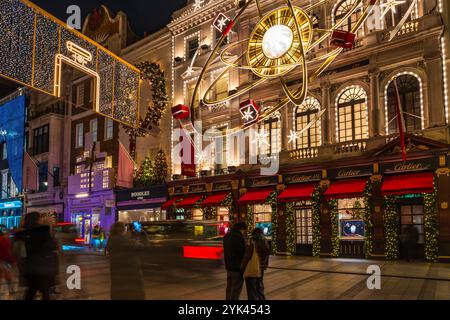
<point x="305" y="177"/>
<point x="410" y="166"/>
<point x="352" y="172"/>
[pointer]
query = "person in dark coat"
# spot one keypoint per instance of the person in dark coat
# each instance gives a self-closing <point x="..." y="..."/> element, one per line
<point x="234" y="250"/>
<point x="127" y="282"/>
<point x="255" y="284"/>
<point x="41" y="254"/>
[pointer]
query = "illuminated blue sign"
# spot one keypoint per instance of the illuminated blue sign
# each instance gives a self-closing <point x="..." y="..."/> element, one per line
<point x="10" y="205"/>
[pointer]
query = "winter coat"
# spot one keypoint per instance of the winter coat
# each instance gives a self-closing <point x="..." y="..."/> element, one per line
<point x="41" y="251"/>
<point x="234" y="250"/>
<point x="127" y="282"/>
<point x="6" y="251"/>
<point x="262" y="248"/>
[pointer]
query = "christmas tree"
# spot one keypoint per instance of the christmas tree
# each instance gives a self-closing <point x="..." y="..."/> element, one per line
<point x="160" y="168"/>
<point x="144" y="174"/>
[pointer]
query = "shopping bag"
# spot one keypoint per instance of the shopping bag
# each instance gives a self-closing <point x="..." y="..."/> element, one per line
<point x="253" y="269"/>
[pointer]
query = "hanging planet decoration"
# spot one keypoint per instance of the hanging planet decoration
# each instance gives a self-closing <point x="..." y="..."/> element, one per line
<point x="278" y="44"/>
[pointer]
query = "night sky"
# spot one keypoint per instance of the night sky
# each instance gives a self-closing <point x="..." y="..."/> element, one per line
<point x="143" y="15"/>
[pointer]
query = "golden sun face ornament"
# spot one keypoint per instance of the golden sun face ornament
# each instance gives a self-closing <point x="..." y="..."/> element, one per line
<point x="278" y="45"/>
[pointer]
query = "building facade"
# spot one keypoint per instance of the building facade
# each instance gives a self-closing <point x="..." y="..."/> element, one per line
<point x="342" y="188"/>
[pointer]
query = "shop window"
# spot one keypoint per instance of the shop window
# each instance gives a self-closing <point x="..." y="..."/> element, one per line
<point x="94" y="129"/>
<point x="409" y="89"/>
<point x="13" y="189"/>
<point x="43" y="176"/>
<point x="352" y="115"/>
<point x="79" y="132"/>
<point x="304" y="114"/>
<point x="197" y="214"/>
<point x="342" y="9"/>
<point x="41" y="140"/>
<point x="413" y="215"/>
<point x="109" y="128"/>
<point x="303" y="215"/>
<point x="263" y="218"/>
<point x="351" y="218"/>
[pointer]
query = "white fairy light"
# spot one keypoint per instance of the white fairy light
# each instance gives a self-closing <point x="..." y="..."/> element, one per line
<point x="390" y="5"/>
<point x="293" y="136"/>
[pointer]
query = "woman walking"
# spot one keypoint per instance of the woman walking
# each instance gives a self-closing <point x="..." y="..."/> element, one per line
<point x="255" y="262"/>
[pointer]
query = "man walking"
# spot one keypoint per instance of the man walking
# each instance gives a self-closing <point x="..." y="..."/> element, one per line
<point x="234" y="250"/>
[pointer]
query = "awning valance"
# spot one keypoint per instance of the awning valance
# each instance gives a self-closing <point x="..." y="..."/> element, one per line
<point x="255" y="196"/>
<point x="170" y="203"/>
<point x="215" y="199"/>
<point x="349" y="188"/>
<point x="297" y="192"/>
<point x="189" y="201"/>
<point x="408" y="184"/>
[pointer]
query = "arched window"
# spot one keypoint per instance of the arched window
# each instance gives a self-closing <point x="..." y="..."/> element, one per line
<point x="352" y="114"/>
<point x="409" y="88"/>
<point x="303" y="115"/>
<point x="392" y="18"/>
<point x="271" y="127"/>
<point x="341" y="11"/>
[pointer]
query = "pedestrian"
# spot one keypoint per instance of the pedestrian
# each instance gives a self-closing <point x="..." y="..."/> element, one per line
<point x="40" y="264"/>
<point x="101" y="238"/>
<point x="7" y="261"/>
<point x="234" y="250"/>
<point x="96" y="237"/>
<point x="127" y="282"/>
<point x="256" y="261"/>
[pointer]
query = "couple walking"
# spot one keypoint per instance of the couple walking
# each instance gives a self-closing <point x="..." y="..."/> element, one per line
<point x="245" y="261"/>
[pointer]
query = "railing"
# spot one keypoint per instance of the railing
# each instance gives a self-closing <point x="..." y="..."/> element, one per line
<point x="58" y="107"/>
<point x="409" y="27"/>
<point x="350" y="147"/>
<point x="305" y="153"/>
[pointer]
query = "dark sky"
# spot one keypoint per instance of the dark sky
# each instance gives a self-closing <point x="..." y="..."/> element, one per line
<point x="143" y="15"/>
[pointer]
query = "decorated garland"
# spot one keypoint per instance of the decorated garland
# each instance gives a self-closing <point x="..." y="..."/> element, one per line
<point x="317" y="197"/>
<point x="431" y="225"/>
<point x="335" y="241"/>
<point x="228" y="202"/>
<point x="392" y="225"/>
<point x="368" y="209"/>
<point x="291" y="241"/>
<point x="249" y="217"/>
<point x="152" y="72"/>
<point x="272" y="200"/>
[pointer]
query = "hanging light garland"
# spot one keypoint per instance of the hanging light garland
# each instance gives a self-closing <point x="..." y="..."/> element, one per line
<point x="272" y="200"/>
<point x="291" y="243"/>
<point x="317" y="198"/>
<point x="392" y="225"/>
<point x="368" y="224"/>
<point x="431" y="225"/>
<point x="335" y="241"/>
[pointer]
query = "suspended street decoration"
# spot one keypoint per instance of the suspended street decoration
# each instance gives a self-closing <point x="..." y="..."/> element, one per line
<point x="278" y="45"/>
<point x="35" y="45"/>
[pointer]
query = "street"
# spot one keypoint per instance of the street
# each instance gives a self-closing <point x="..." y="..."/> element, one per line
<point x="288" y="278"/>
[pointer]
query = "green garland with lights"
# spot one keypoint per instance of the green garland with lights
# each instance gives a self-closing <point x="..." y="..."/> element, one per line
<point x="316" y="202"/>
<point x="431" y="225"/>
<point x="392" y="225"/>
<point x="229" y="203"/>
<point x="335" y="241"/>
<point x="368" y="230"/>
<point x="291" y="241"/>
<point x="249" y="219"/>
<point x="272" y="200"/>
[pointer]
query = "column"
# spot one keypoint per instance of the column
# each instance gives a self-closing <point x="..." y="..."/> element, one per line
<point x="375" y="111"/>
<point x="328" y="117"/>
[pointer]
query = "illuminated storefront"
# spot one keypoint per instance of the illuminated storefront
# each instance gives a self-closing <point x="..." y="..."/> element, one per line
<point x="10" y="213"/>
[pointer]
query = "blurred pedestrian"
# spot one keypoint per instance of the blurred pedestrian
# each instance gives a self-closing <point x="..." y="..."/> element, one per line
<point x="7" y="261"/>
<point x="234" y="250"/>
<point x="256" y="261"/>
<point x="40" y="265"/>
<point x="96" y="237"/>
<point x="127" y="281"/>
<point x="101" y="238"/>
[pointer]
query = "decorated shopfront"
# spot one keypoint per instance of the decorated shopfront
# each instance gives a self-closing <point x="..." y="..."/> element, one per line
<point x="141" y="204"/>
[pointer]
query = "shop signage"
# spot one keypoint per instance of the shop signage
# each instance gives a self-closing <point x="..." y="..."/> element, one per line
<point x="110" y="203"/>
<point x="350" y="172"/>
<point x="10" y="205"/>
<point x="157" y="191"/>
<point x="303" y="177"/>
<point x="197" y="188"/>
<point x="219" y="186"/>
<point x="262" y="182"/>
<point x="409" y="166"/>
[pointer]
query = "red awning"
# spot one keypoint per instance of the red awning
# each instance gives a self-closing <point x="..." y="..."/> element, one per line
<point x="215" y="199"/>
<point x="255" y="196"/>
<point x="189" y="202"/>
<point x="351" y="188"/>
<point x="170" y="203"/>
<point x="297" y="192"/>
<point x="408" y="183"/>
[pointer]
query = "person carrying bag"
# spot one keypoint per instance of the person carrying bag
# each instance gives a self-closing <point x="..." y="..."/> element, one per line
<point x="254" y="264"/>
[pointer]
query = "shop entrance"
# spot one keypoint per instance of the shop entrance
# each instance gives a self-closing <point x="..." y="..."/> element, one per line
<point x="303" y="222"/>
<point x="411" y="214"/>
<point x="85" y="222"/>
<point x="351" y="227"/>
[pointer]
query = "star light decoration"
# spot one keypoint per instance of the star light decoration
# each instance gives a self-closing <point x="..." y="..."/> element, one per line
<point x="221" y="22"/>
<point x="390" y="5"/>
<point x="261" y="138"/>
<point x="293" y="136"/>
<point x="198" y="4"/>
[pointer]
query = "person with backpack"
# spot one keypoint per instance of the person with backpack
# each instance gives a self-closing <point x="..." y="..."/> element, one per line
<point x="255" y="262"/>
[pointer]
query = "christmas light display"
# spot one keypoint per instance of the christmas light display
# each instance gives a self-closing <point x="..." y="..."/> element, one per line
<point x="34" y="46"/>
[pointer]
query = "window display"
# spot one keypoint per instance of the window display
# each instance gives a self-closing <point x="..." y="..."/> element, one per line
<point x="263" y="218"/>
<point x="351" y="215"/>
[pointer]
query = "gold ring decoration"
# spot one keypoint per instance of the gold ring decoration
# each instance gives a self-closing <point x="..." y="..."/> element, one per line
<point x="277" y="45"/>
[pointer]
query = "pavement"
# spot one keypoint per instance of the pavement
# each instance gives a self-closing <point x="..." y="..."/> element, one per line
<point x="288" y="278"/>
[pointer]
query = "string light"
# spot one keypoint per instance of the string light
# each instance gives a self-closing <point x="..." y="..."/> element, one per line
<point x="445" y="77"/>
